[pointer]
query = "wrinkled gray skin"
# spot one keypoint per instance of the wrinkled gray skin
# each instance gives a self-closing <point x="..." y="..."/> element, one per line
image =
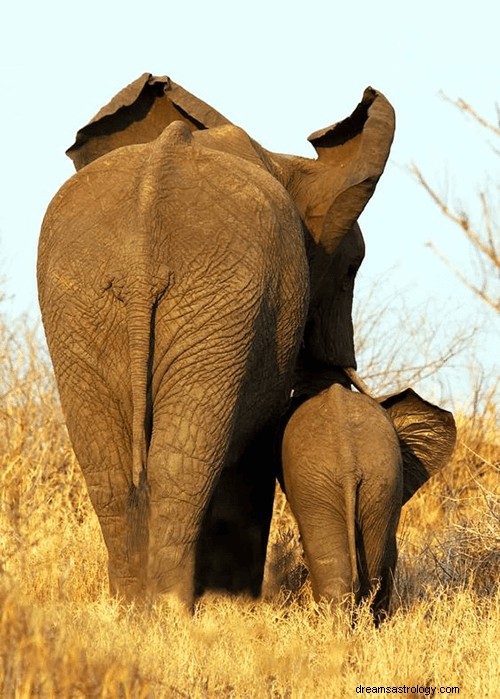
<point x="349" y="463"/>
<point x="188" y="280"/>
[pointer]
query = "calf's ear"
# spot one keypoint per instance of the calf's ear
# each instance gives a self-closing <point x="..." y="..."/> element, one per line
<point x="427" y="436"/>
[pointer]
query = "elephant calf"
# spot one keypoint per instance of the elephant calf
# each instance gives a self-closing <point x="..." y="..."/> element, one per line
<point x="349" y="464"/>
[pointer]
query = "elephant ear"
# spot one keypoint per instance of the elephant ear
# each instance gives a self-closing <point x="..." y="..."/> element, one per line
<point x="353" y="153"/>
<point x="138" y="114"/>
<point x="427" y="435"/>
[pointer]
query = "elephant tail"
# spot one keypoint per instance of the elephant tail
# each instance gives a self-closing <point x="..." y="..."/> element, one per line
<point x="148" y="280"/>
<point x="141" y="312"/>
<point x="140" y="346"/>
<point x="350" y="495"/>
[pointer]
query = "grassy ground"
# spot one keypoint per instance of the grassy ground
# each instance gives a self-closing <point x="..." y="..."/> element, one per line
<point x="61" y="635"/>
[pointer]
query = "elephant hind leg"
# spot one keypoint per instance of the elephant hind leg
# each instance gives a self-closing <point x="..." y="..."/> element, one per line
<point x="103" y="450"/>
<point x="327" y="552"/>
<point x="378" y="552"/>
<point x="185" y="460"/>
<point x="382" y="599"/>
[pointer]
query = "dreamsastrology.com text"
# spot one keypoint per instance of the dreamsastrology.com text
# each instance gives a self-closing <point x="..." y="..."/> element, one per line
<point x="406" y="689"/>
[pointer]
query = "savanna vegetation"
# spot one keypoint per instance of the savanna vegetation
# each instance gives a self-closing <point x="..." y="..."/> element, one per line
<point x="62" y="636"/>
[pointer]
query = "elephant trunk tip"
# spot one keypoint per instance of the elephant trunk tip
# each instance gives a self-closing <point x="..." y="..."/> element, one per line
<point x="358" y="382"/>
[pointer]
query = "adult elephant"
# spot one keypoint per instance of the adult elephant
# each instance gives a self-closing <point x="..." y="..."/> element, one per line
<point x="349" y="464"/>
<point x="188" y="281"/>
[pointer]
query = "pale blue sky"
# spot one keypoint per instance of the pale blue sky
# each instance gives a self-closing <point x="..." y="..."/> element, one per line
<point x="281" y="70"/>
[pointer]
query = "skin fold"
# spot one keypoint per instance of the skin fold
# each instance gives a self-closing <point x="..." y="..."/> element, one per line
<point x="188" y="281"/>
<point x="349" y="462"/>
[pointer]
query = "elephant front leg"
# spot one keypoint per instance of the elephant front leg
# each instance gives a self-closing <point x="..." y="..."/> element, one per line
<point x="231" y="550"/>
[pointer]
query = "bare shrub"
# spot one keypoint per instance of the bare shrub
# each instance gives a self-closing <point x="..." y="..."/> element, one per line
<point x="400" y="345"/>
<point x="481" y="232"/>
<point x="43" y="492"/>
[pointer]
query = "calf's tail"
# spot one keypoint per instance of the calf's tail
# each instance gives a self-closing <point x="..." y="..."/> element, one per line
<point x="350" y="496"/>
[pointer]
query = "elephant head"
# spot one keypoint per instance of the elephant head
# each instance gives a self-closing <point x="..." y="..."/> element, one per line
<point x="427" y="436"/>
<point x="329" y="192"/>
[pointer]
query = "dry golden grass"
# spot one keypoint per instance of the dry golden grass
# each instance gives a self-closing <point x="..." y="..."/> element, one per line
<point x="62" y="636"/>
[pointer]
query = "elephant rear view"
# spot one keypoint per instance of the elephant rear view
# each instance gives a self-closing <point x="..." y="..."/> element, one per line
<point x="173" y="285"/>
<point x="343" y="479"/>
<point x="349" y="464"/>
<point x="187" y="283"/>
